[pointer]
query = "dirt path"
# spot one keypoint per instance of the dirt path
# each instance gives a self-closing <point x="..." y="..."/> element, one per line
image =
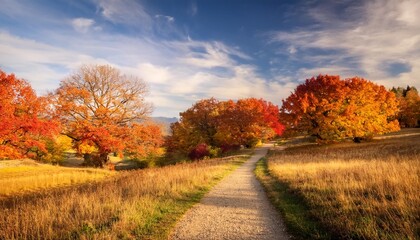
<point x="237" y="208"/>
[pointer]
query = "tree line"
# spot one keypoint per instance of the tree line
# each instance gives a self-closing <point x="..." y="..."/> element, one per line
<point x="97" y="111"/>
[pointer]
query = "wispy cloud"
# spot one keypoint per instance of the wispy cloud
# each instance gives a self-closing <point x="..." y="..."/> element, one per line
<point x="84" y="25"/>
<point x="193" y="8"/>
<point x="378" y="34"/>
<point x="179" y="70"/>
<point x="167" y="18"/>
<point x="125" y="12"/>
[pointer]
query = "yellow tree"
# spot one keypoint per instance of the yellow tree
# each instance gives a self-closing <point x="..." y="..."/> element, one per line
<point x="409" y="103"/>
<point x="333" y="109"/>
<point x="98" y="106"/>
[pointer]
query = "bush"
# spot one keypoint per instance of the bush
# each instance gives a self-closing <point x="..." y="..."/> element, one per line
<point x="227" y="148"/>
<point x="199" y="152"/>
<point x="214" y="152"/>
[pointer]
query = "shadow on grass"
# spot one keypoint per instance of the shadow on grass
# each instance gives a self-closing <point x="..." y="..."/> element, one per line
<point x="296" y="215"/>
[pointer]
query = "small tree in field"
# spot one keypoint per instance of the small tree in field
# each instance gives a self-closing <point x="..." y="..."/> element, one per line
<point x="223" y="125"/>
<point x="333" y="109"/>
<point x="98" y="106"/>
<point x="24" y="125"/>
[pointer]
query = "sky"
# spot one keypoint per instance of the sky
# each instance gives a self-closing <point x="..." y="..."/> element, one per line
<point x="187" y="50"/>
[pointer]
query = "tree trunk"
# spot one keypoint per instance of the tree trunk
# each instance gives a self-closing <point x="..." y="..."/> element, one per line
<point x="95" y="159"/>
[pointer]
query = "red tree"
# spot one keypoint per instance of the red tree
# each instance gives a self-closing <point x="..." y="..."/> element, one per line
<point x="24" y="124"/>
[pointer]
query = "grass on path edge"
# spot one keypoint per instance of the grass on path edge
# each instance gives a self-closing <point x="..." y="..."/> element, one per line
<point x="299" y="223"/>
<point x="163" y="222"/>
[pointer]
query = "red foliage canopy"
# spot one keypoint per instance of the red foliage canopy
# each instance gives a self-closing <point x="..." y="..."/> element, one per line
<point x="24" y="124"/>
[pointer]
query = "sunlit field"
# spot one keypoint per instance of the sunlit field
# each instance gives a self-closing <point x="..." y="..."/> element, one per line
<point x="129" y="205"/>
<point x="25" y="176"/>
<point x="358" y="191"/>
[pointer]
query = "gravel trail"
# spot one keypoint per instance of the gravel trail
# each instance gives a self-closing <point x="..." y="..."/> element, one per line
<point x="236" y="208"/>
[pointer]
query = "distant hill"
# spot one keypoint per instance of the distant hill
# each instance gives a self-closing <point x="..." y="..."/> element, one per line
<point x="166" y="122"/>
<point x="165" y="119"/>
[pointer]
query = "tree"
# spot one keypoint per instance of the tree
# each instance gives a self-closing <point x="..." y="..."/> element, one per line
<point x="248" y="121"/>
<point x="24" y="125"/>
<point x="213" y="125"/>
<point x="98" y="107"/>
<point x="333" y="109"/>
<point x="409" y="103"/>
<point x="197" y="125"/>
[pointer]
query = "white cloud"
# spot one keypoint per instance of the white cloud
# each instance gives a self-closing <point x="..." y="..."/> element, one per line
<point x="83" y="25"/>
<point x="382" y="32"/>
<point x="125" y="12"/>
<point x="179" y="72"/>
<point x="167" y="18"/>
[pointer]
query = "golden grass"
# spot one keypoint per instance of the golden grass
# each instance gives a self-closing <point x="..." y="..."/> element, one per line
<point x="24" y="176"/>
<point x="141" y="204"/>
<point x="358" y="191"/>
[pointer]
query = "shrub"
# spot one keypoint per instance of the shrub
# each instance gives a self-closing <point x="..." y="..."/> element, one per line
<point x="199" y="152"/>
<point x="227" y="148"/>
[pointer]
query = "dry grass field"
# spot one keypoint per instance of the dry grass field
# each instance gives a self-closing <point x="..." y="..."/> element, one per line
<point x="140" y="204"/>
<point x="356" y="191"/>
<point x="26" y="176"/>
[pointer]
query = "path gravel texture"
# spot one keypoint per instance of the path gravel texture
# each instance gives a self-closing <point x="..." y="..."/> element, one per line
<point x="236" y="208"/>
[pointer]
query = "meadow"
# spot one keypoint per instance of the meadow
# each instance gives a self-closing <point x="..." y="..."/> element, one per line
<point x="346" y="190"/>
<point x="141" y="204"/>
<point x="18" y="177"/>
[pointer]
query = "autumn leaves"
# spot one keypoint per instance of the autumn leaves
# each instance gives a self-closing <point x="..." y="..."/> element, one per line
<point x="211" y="127"/>
<point x="25" y="125"/>
<point x="334" y="109"/>
<point x="98" y="108"/>
<point x="103" y="111"/>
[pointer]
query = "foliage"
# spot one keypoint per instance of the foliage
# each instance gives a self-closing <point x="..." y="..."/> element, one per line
<point x="224" y="125"/>
<point x="247" y="121"/>
<point x="101" y="110"/>
<point x="56" y="148"/>
<point x="24" y="126"/>
<point x="144" y="141"/>
<point x="333" y="109"/>
<point x="199" y="152"/>
<point x="409" y="102"/>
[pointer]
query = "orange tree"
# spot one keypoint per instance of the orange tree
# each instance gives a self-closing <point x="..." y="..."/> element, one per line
<point x="222" y="125"/>
<point x="247" y="121"/>
<point x="197" y="125"/>
<point x="333" y="109"/>
<point x="409" y="102"/>
<point x="24" y="124"/>
<point x="99" y="107"/>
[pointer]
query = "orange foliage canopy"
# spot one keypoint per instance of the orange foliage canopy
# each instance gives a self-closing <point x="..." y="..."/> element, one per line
<point x="225" y="124"/>
<point x="333" y="109"/>
<point x="101" y="111"/>
<point x="24" y="126"/>
<point x="409" y="103"/>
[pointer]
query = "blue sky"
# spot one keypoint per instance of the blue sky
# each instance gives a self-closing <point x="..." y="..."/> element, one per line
<point x="189" y="50"/>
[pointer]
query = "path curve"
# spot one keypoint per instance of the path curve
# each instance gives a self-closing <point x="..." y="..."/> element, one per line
<point x="236" y="208"/>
